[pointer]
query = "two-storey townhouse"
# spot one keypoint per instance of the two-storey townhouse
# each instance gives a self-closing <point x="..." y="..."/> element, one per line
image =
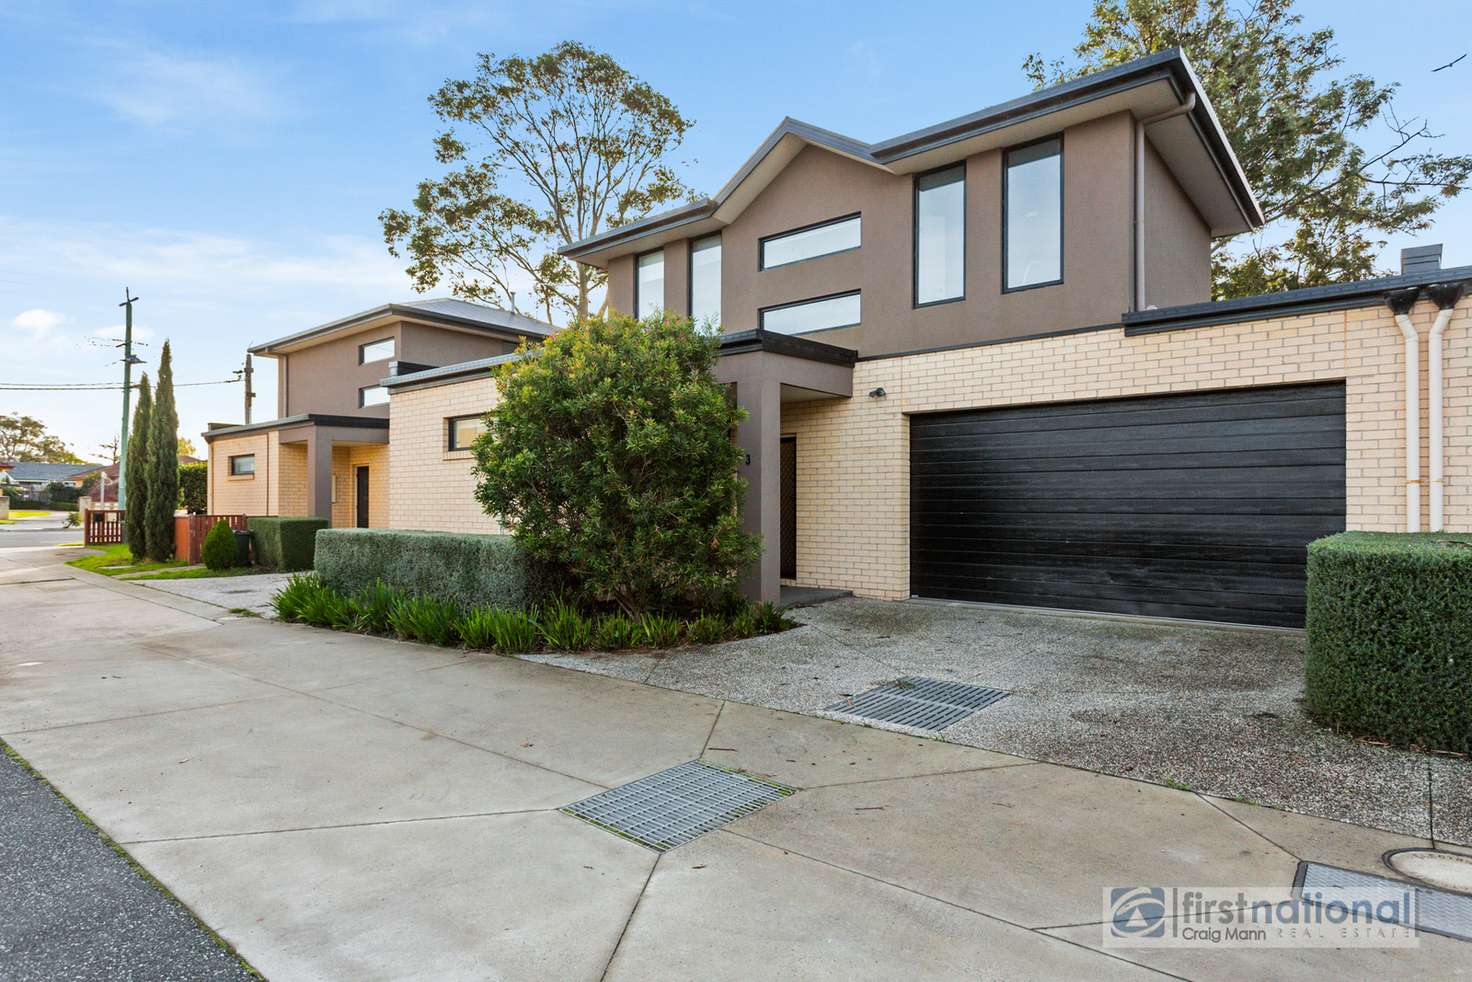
<point x="327" y="451"/>
<point x="981" y="363"/>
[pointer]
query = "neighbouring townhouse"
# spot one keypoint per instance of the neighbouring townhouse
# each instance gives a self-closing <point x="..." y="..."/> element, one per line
<point x="981" y="363"/>
<point x="327" y="451"/>
<point x="29" y="479"/>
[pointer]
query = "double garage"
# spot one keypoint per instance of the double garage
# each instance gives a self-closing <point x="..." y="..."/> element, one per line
<point x="1194" y="506"/>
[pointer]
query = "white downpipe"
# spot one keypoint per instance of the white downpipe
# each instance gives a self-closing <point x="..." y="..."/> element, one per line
<point x="1435" y="411"/>
<point x="1180" y="110"/>
<point x="1413" y="421"/>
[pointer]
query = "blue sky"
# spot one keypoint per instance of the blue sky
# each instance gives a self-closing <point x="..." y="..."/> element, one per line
<point x="227" y="161"/>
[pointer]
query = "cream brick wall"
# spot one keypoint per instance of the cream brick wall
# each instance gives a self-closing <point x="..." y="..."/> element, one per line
<point x="289" y="478"/>
<point x="345" y="463"/>
<point x="429" y="487"/>
<point x="240" y="495"/>
<point x="853" y="454"/>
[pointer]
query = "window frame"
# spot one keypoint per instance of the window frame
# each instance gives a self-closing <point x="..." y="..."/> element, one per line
<point x="761" y="243"/>
<point x="362" y="391"/>
<point x="362" y="350"/>
<point x="450" y="421"/>
<point x="761" y="313"/>
<point x="690" y="270"/>
<point x="1062" y="215"/>
<point x="232" y="472"/>
<point x="915" y="302"/>
<point x="638" y="256"/>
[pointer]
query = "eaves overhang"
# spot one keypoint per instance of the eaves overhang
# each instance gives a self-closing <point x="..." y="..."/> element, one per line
<point x="508" y="325"/>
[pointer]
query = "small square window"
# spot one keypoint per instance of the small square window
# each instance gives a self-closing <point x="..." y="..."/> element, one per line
<point x="372" y="395"/>
<point x="381" y="350"/>
<point x="243" y="465"/>
<point x="463" y="430"/>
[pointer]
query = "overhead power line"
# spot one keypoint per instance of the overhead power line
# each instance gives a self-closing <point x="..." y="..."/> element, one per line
<point x="97" y="386"/>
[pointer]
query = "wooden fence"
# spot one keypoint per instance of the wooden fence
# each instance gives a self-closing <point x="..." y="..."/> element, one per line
<point x="103" y="526"/>
<point x="190" y="530"/>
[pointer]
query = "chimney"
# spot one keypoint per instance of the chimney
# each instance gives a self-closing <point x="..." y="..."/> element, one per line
<point x="1420" y="259"/>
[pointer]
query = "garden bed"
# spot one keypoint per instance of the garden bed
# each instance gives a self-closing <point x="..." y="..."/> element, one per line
<point x="557" y="626"/>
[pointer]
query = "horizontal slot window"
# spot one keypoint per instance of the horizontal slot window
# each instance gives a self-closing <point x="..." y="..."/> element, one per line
<point x="376" y="351"/>
<point x="243" y="466"/>
<point x="372" y="395"/>
<point x="839" y="235"/>
<point x="822" y="314"/>
<point x="464" y="430"/>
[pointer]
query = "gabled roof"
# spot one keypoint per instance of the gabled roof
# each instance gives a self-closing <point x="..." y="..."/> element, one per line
<point x="27" y="470"/>
<point x="442" y="310"/>
<point x="1193" y="146"/>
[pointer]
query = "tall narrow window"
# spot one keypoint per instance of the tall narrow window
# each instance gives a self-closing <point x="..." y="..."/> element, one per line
<point x="940" y="236"/>
<point x="705" y="282"/>
<point x="1033" y="197"/>
<point x="649" y="284"/>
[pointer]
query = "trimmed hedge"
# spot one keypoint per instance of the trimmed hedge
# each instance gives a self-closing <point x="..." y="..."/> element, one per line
<point x="470" y="570"/>
<point x="284" y="544"/>
<point x="1390" y="637"/>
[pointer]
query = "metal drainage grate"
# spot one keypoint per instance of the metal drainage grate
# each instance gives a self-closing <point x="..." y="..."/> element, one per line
<point x="1437" y="911"/>
<point x="926" y="704"/>
<point x="670" y="808"/>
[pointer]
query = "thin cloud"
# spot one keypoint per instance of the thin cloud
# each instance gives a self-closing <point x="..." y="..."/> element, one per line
<point x="37" y="322"/>
<point x="179" y="91"/>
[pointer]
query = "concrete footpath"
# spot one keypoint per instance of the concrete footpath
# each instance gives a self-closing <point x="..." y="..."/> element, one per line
<point x="355" y="808"/>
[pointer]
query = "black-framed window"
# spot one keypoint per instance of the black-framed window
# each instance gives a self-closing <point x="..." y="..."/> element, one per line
<point x="810" y="242"/>
<point x="940" y="236"/>
<point x="461" y="431"/>
<point x="372" y="395"/>
<point x="380" y="350"/>
<point x="1032" y="215"/>
<point x="705" y="280"/>
<point x="818" y="314"/>
<point x="243" y="465"/>
<point x="648" y="283"/>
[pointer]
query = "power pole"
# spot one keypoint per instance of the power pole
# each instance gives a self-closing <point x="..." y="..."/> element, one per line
<point x="128" y="362"/>
<point x="250" y="394"/>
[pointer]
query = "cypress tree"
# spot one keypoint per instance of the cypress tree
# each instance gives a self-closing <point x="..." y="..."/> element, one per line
<point x="163" y="466"/>
<point x="136" y="473"/>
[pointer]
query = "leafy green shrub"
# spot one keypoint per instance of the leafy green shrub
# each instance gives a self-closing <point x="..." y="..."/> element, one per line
<point x="1390" y="637"/>
<point x="565" y="628"/>
<point x="194" y="487"/>
<point x="707" y="629"/>
<point x="660" y="631"/>
<point x="325" y="607"/>
<point x="506" y="631"/>
<point x="610" y="455"/>
<point x="472" y="570"/>
<point x="287" y="543"/>
<point x="218" y="551"/>
<point x="743" y="624"/>
<point x="475" y="627"/>
<point x="767" y="618"/>
<point x="372" y="606"/>
<point x="73" y="519"/>
<point x="428" y="619"/>
<point x="614" y="632"/>
<point x="299" y="592"/>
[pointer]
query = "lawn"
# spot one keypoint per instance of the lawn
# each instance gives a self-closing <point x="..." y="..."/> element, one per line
<point x="118" y="561"/>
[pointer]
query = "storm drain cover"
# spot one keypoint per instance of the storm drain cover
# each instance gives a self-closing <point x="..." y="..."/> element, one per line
<point x="1437" y="911"/>
<point x="926" y="704"/>
<point x="670" y="808"/>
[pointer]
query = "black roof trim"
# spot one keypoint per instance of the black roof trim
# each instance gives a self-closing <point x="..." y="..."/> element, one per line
<point x="760" y="339"/>
<point x="305" y="419"/>
<point x="1290" y="303"/>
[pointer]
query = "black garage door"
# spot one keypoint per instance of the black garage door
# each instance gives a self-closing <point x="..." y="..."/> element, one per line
<point x="1194" y="505"/>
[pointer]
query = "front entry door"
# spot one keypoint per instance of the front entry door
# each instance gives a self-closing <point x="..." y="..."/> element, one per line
<point x="787" y="483"/>
<point x="362" y="476"/>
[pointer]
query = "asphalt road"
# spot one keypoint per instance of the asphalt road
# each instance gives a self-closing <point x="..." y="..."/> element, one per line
<point x="72" y="908"/>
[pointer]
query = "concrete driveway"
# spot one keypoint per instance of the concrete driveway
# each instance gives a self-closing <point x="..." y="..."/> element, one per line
<point x="348" y="807"/>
